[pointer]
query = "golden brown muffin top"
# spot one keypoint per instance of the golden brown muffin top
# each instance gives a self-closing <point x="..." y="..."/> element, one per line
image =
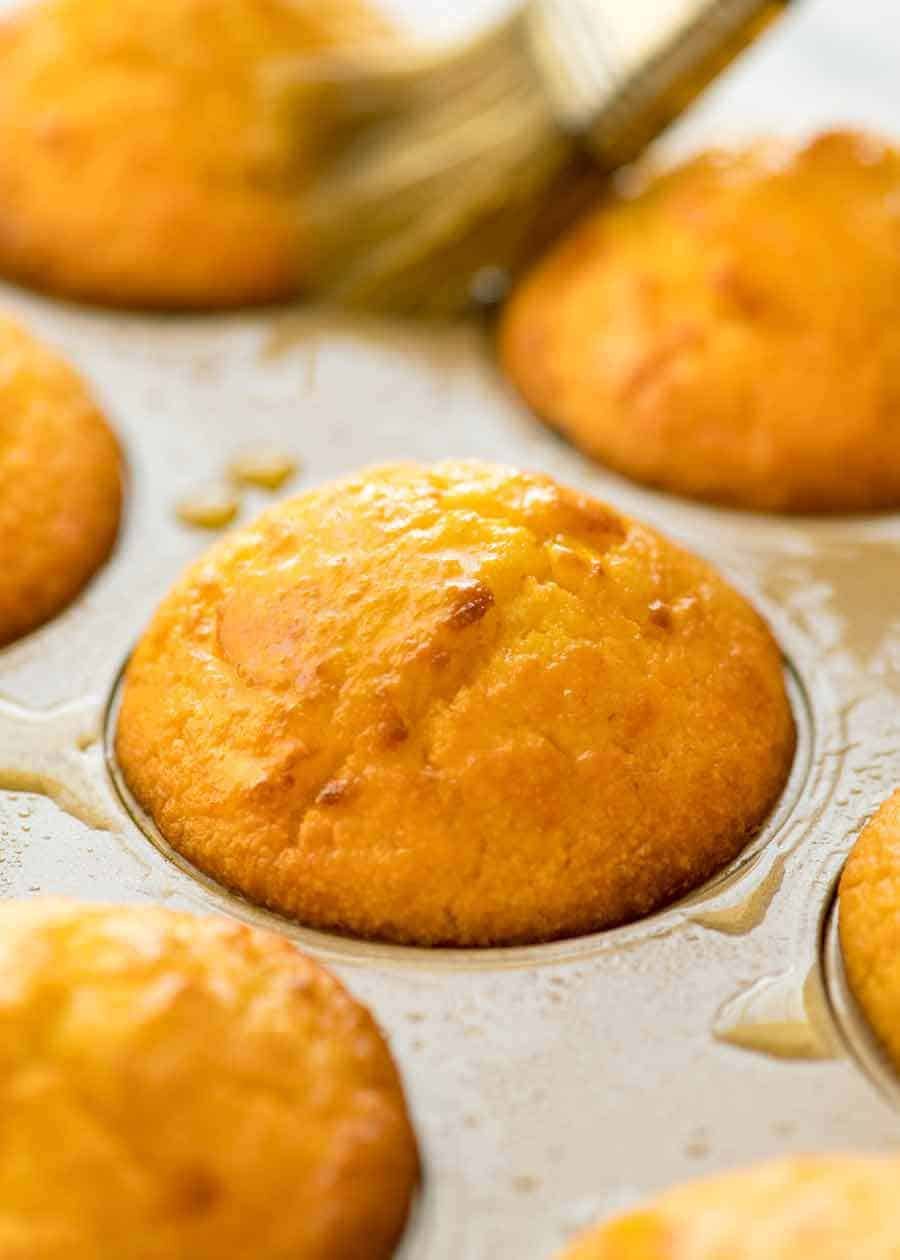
<point x="150" y="153"/>
<point x="799" y="1208"/>
<point x="177" y="1088"/>
<point x="732" y="331"/>
<point x="869" y="921"/>
<point x="60" y="483"/>
<point x="456" y="704"/>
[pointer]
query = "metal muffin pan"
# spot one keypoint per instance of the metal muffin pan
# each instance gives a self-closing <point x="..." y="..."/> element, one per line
<point x="549" y="1084"/>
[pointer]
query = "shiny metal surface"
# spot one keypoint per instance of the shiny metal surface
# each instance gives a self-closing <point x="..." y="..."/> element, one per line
<point x="553" y="1084"/>
<point x="618" y="73"/>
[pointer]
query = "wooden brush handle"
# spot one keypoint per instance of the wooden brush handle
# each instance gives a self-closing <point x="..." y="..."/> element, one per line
<point x="620" y="72"/>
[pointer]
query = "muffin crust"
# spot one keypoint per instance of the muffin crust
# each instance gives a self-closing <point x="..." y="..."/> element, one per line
<point x="799" y="1208"/>
<point x="60" y="483"/>
<point x="151" y="154"/>
<point x="455" y="705"/>
<point x="177" y="1088"/>
<point x="869" y="922"/>
<point x="732" y="332"/>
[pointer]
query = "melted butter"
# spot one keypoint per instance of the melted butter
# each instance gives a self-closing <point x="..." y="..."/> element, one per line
<point x="211" y="508"/>
<point x="265" y="467"/>
<point x="47" y="752"/>
<point x="782" y="1016"/>
<point x="747" y="911"/>
<point x="787" y="1039"/>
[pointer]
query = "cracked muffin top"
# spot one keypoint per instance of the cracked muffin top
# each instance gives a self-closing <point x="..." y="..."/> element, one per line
<point x="153" y="155"/>
<point x="732" y="331"/>
<point x="455" y="705"/>
<point x="178" y="1088"/>
<point x="60" y="483"/>
<point x="800" y="1208"/>
<point x="869" y="923"/>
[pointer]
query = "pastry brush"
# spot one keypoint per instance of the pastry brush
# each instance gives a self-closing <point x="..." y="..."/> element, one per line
<point x="444" y="170"/>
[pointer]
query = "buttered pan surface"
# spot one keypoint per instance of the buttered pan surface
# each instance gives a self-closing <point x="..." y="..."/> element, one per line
<point x="556" y="1083"/>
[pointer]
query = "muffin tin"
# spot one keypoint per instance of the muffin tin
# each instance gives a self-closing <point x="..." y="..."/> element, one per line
<point x="555" y="1083"/>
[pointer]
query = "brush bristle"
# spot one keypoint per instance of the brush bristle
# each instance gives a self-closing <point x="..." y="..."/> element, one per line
<point x="436" y="170"/>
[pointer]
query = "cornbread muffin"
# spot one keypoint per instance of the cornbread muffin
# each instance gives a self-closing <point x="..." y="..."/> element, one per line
<point x="869" y="923"/>
<point x="801" y="1208"/>
<point x="149" y="152"/>
<point x="176" y="1088"/>
<point x="455" y="705"/>
<point x="732" y="332"/>
<point x="60" y="483"/>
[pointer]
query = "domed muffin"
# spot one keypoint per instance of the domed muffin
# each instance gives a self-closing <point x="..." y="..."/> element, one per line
<point x="869" y="923"/>
<point x="149" y="153"/>
<point x="732" y="332"/>
<point x="801" y="1208"/>
<point x="176" y="1088"/>
<point x="60" y="483"/>
<point x="455" y="705"/>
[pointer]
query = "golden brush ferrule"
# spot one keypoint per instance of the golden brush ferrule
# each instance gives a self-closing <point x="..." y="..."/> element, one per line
<point x="619" y="71"/>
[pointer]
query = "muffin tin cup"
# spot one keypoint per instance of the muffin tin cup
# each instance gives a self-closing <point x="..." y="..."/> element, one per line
<point x="554" y="1083"/>
<point x="854" y="1029"/>
<point x="346" y="947"/>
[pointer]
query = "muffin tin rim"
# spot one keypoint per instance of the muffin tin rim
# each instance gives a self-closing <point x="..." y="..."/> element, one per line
<point x="856" y="1034"/>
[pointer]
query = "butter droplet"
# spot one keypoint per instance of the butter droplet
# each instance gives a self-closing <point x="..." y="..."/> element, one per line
<point x="740" y="915"/>
<point x="211" y="508"/>
<point x="265" y="467"/>
<point x="779" y="1016"/>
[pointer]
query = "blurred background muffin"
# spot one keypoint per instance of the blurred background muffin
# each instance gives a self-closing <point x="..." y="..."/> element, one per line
<point x="60" y="483"/>
<point x="176" y="1088"/>
<point x="150" y="154"/>
<point x="800" y="1208"/>
<point x="455" y="705"/>
<point x="731" y="331"/>
<point x="869" y="923"/>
